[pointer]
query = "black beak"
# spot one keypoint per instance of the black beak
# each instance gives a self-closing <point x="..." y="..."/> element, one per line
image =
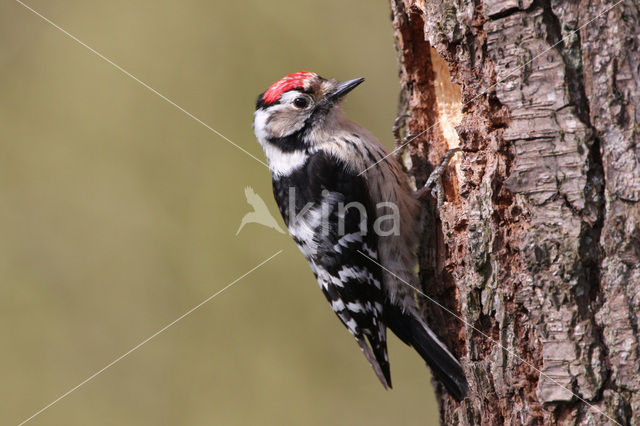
<point x="343" y="88"/>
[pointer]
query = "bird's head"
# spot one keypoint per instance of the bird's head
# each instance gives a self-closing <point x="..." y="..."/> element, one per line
<point x="297" y="103"/>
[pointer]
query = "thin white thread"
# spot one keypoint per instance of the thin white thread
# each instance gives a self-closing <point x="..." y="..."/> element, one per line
<point x="280" y="251"/>
<point x="136" y="347"/>
<point x="490" y="339"/>
<point x="128" y="74"/>
<point x="489" y="88"/>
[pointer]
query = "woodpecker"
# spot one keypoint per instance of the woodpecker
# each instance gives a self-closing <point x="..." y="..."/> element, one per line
<point x="317" y="157"/>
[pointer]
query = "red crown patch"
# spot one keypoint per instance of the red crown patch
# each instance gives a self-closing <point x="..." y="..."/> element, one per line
<point x="290" y="82"/>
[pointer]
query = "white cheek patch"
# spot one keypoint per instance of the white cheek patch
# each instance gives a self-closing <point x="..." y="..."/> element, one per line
<point x="285" y="119"/>
<point x="281" y="163"/>
<point x="260" y="126"/>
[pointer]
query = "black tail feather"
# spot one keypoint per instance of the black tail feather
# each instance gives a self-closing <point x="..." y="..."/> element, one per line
<point x="416" y="334"/>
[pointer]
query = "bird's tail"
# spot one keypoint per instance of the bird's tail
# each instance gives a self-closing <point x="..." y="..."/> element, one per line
<point x="414" y="332"/>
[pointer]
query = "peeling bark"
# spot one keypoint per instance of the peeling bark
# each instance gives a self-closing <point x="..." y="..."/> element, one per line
<point x="537" y="248"/>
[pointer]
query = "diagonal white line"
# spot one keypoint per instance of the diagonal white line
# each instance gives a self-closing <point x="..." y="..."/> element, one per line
<point x="490" y="87"/>
<point x="490" y="339"/>
<point x="128" y="74"/>
<point x="136" y="347"/>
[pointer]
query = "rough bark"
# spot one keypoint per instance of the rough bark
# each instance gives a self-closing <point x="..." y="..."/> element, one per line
<point x="537" y="248"/>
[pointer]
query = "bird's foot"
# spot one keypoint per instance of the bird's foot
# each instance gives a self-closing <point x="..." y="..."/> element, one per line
<point x="435" y="179"/>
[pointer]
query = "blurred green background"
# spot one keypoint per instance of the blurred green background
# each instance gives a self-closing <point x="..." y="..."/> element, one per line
<point x="118" y="213"/>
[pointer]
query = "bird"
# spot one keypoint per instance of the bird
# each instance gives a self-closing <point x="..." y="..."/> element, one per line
<point x="349" y="208"/>
<point x="260" y="213"/>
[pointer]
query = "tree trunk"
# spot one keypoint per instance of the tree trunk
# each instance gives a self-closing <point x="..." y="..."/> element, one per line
<point x="537" y="247"/>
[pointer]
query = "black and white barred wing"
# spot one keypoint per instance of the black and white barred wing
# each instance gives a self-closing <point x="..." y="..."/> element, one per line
<point x="362" y="315"/>
<point x="342" y="231"/>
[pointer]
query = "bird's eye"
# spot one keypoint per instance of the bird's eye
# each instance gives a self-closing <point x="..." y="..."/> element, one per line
<point x="300" y="102"/>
